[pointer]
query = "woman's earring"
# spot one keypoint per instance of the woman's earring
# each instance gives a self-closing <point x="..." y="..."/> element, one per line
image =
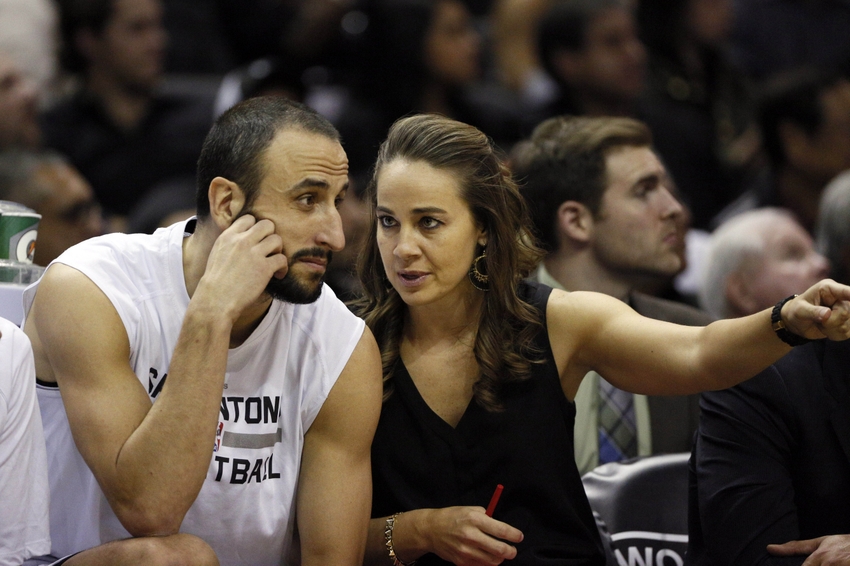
<point x="477" y="276"/>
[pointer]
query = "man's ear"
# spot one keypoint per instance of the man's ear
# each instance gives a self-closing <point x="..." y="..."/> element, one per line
<point x="226" y="201"/>
<point x="739" y="296"/>
<point x="574" y="221"/>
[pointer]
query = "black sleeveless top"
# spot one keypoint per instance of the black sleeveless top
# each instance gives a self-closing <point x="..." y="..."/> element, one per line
<point x="420" y="461"/>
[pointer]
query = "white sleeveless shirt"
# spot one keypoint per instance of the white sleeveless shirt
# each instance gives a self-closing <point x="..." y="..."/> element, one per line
<point x="275" y="385"/>
<point x="24" y="530"/>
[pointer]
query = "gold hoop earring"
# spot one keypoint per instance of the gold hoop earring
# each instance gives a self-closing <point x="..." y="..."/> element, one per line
<point x="479" y="279"/>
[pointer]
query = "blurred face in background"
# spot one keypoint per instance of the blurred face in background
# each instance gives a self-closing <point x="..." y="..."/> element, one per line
<point x="789" y="264"/>
<point x="18" y="107"/>
<point x="831" y="143"/>
<point x="638" y="231"/>
<point x="69" y="211"/>
<point x="710" y="21"/>
<point x="613" y="57"/>
<point x="131" y="47"/>
<point x="453" y="45"/>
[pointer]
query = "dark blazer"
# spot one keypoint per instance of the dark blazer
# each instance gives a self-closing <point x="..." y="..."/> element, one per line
<point x="673" y="419"/>
<point x="771" y="462"/>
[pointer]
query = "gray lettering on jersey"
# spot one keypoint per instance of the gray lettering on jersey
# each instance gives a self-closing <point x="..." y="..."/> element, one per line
<point x="243" y="440"/>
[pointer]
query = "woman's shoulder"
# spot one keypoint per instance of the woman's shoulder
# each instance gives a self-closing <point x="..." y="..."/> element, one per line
<point x="534" y="293"/>
<point x="575" y="311"/>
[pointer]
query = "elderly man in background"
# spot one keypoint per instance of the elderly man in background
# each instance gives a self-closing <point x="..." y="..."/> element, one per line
<point x="756" y="259"/>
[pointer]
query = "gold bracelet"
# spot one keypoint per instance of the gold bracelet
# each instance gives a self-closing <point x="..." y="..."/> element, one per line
<point x="388" y="540"/>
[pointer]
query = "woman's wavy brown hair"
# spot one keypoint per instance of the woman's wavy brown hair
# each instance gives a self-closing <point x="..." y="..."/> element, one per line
<point x="504" y="342"/>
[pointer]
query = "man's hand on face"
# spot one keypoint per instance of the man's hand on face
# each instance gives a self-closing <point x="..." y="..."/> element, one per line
<point x="242" y="261"/>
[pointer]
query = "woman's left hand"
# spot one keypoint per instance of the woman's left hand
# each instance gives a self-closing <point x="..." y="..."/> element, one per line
<point x="822" y="311"/>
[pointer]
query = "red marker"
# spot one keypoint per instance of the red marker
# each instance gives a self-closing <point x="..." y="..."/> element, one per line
<point x="495" y="499"/>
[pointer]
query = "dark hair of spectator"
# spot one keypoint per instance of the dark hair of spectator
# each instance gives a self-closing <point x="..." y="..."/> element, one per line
<point x="564" y="27"/>
<point x="794" y="97"/>
<point x="503" y="344"/>
<point x="565" y="160"/>
<point x="235" y="145"/>
<point x="390" y="66"/>
<point x="662" y="26"/>
<point x="76" y="15"/>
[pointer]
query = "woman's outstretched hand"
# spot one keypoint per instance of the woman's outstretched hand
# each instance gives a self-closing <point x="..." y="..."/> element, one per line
<point x="822" y="311"/>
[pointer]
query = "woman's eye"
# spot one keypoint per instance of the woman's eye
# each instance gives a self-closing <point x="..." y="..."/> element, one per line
<point x="386" y="221"/>
<point x="429" y="222"/>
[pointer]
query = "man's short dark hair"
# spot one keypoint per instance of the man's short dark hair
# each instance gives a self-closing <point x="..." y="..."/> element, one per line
<point x="792" y="97"/>
<point x="564" y="27"/>
<point x="235" y="145"/>
<point x="76" y="15"/>
<point x="565" y="160"/>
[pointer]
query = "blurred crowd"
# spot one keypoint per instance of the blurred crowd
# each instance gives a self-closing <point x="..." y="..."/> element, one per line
<point x="104" y="105"/>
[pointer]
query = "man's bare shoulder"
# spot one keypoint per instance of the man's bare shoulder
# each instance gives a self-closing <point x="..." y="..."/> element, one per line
<point x="69" y="311"/>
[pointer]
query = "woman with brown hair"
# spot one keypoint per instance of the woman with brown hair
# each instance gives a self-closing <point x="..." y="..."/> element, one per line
<point x="481" y="367"/>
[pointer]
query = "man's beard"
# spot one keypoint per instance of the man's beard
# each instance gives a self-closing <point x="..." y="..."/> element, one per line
<point x="291" y="289"/>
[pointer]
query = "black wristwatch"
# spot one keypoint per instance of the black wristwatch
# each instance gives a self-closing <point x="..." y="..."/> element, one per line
<point x="779" y="327"/>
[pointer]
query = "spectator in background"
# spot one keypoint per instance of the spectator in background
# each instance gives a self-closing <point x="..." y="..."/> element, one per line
<point x="213" y="37"/>
<point x="756" y="259"/>
<point x="770" y="470"/>
<point x="18" y="107"/>
<point x="120" y="132"/>
<point x="28" y="34"/>
<point x="602" y="205"/>
<point x="592" y="50"/>
<point x="698" y="104"/>
<point x="832" y="233"/>
<point x="24" y="520"/>
<point x="513" y="30"/>
<point x="804" y="117"/>
<point x="776" y="36"/>
<point x="417" y="56"/>
<point x="48" y="184"/>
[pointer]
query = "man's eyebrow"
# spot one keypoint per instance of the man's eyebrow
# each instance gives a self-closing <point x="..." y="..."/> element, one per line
<point x="312" y="183"/>
<point x="655" y="178"/>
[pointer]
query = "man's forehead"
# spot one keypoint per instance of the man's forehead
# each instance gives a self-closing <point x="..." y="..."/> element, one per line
<point x="633" y="160"/>
<point x="302" y="143"/>
<point x="302" y="154"/>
